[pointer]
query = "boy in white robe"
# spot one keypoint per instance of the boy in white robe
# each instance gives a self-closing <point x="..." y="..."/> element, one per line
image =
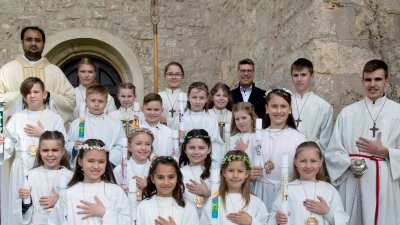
<point x="312" y="114"/>
<point x="368" y="131"/>
<point x="97" y="126"/>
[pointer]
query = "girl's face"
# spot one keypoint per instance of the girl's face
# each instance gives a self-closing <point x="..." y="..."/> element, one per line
<point x="197" y="99"/>
<point x="140" y="147"/>
<point x="165" y="179"/>
<point x="243" y="121"/>
<point x="86" y="74"/>
<point x="126" y="97"/>
<point x="94" y="164"/>
<point x="220" y="99"/>
<point x="278" y="110"/>
<point x="174" y="77"/>
<point x="197" y="151"/>
<point x="51" y="153"/>
<point x="308" y="163"/>
<point x="235" y="175"/>
<point x="35" y="98"/>
<point x="152" y="111"/>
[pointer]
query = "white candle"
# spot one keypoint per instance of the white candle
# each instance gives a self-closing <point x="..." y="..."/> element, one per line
<point x="214" y="192"/>
<point x="132" y="185"/>
<point x="257" y="158"/>
<point x="258" y="124"/>
<point x="181" y="113"/>
<point x="175" y="145"/>
<point x="1" y="122"/>
<point x="24" y="162"/>
<point x="132" y="198"/>
<point x="285" y="183"/>
<point x="227" y="136"/>
<point x="136" y="106"/>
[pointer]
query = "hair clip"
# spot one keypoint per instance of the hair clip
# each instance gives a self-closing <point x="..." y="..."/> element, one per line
<point x="199" y="87"/>
<point x="279" y="88"/>
<point x="245" y="159"/>
<point x="197" y="136"/>
<point x="86" y="147"/>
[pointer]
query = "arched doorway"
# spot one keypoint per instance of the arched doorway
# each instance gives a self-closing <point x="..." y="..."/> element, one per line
<point x="105" y="75"/>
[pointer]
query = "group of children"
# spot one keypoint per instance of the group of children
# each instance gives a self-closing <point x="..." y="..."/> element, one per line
<point x="169" y="192"/>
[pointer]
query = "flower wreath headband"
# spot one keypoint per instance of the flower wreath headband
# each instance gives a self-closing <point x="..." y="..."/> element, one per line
<point x="231" y="158"/>
<point x="86" y="147"/>
<point x="279" y="88"/>
<point x="200" y="87"/>
<point x="140" y="129"/>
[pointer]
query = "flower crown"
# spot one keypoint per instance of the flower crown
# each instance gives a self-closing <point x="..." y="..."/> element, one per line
<point x="86" y="147"/>
<point x="197" y="136"/>
<point x="199" y="87"/>
<point x="140" y="129"/>
<point x="279" y="88"/>
<point x="245" y="159"/>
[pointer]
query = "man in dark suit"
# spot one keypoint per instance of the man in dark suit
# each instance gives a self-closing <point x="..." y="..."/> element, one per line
<point x="247" y="91"/>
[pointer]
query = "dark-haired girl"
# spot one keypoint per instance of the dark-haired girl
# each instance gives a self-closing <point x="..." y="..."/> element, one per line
<point x="280" y="137"/>
<point x="196" y="161"/>
<point x="93" y="197"/>
<point x="165" y="202"/>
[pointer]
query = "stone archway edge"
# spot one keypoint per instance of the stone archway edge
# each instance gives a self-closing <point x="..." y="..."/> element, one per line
<point x="131" y="61"/>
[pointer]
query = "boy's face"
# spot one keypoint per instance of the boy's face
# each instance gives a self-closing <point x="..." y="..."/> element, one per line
<point x="152" y="111"/>
<point x="302" y="80"/>
<point x="96" y="103"/>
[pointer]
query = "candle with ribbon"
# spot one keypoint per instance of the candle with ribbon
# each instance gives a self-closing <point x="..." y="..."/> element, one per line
<point x="132" y="199"/>
<point x="181" y="113"/>
<point x="24" y="167"/>
<point x="214" y="196"/>
<point x="227" y="136"/>
<point x="284" y="184"/>
<point x="136" y="118"/>
<point x="124" y="165"/>
<point x="81" y="132"/>
<point x="257" y="159"/>
<point x="175" y="145"/>
<point x="62" y="185"/>
<point x="2" y="104"/>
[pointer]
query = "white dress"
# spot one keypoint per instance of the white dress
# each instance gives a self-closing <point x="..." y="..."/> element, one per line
<point x="234" y="202"/>
<point x="98" y="127"/>
<point x="42" y="181"/>
<point x="250" y="151"/>
<point x="14" y="132"/>
<point x="275" y="143"/>
<point x="162" y="143"/>
<point x="220" y="116"/>
<point x="298" y="211"/>
<point x="171" y="101"/>
<point x="80" y="93"/>
<point x="187" y="176"/>
<point x="354" y="121"/>
<point x="201" y="120"/>
<point x="112" y="197"/>
<point x="151" y="209"/>
<point x="316" y="116"/>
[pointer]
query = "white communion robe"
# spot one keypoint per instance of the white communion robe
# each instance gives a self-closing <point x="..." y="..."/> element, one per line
<point x="98" y="127"/>
<point x="162" y="143"/>
<point x="299" y="213"/>
<point x="112" y="196"/>
<point x="285" y="142"/>
<point x="80" y="93"/>
<point x="220" y="116"/>
<point x="124" y="114"/>
<point x="353" y="122"/>
<point x="316" y="116"/>
<point x="14" y="132"/>
<point x="187" y="176"/>
<point x="151" y="209"/>
<point x="42" y="181"/>
<point x="251" y="137"/>
<point x="234" y="202"/>
<point x="201" y="120"/>
<point x="171" y="101"/>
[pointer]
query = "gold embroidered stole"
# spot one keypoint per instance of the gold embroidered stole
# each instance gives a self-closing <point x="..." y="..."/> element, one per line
<point x="30" y="71"/>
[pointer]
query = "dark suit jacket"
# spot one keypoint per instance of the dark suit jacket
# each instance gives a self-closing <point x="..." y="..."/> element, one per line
<point x="256" y="98"/>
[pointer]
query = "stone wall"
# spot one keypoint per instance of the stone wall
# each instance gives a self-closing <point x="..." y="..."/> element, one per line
<point x="209" y="36"/>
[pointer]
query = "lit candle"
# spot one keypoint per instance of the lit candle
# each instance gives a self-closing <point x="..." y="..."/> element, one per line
<point x="214" y="195"/>
<point x="284" y="184"/>
<point x="181" y="113"/>
<point x="227" y="136"/>
<point x="81" y="132"/>
<point x="132" y="198"/>
<point x="24" y="164"/>
<point x="136" y="109"/>
<point x="175" y="145"/>
<point x="257" y="159"/>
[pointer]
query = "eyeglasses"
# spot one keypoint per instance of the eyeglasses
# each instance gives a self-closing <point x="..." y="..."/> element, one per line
<point x="246" y="71"/>
<point x="177" y="75"/>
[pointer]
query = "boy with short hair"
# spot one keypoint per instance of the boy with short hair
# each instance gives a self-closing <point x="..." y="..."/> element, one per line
<point x="312" y="114"/>
<point x="97" y="126"/>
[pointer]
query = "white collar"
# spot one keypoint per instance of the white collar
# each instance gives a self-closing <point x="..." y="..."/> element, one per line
<point x="378" y="102"/>
<point x="169" y="91"/>
<point x="297" y="95"/>
<point x="32" y="63"/>
<point x="146" y="125"/>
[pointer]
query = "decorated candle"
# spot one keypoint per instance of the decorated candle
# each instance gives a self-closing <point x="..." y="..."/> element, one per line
<point x="284" y="183"/>
<point x="227" y="136"/>
<point x="136" y="119"/>
<point x="175" y="145"/>
<point x="257" y="159"/>
<point x="81" y="132"/>
<point x="132" y="198"/>
<point x="24" y="164"/>
<point x="181" y="112"/>
<point x="124" y="169"/>
<point x="63" y="198"/>
<point x="214" y="196"/>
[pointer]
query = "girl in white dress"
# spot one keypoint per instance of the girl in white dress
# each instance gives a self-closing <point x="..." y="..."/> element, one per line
<point x="220" y="105"/>
<point x="195" y="163"/>
<point x="236" y="204"/>
<point x="87" y="74"/>
<point x="140" y="147"/>
<point x="165" y="202"/>
<point x="27" y="125"/>
<point x="311" y="200"/>
<point x="196" y="117"/>
<point x="93" y="197"/>
<point x="43" y="178"/>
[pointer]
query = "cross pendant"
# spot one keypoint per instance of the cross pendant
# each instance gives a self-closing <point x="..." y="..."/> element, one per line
<point x="172" y="112"/>
<point x="373" y="129"/>
<point x="298" y="121"/>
